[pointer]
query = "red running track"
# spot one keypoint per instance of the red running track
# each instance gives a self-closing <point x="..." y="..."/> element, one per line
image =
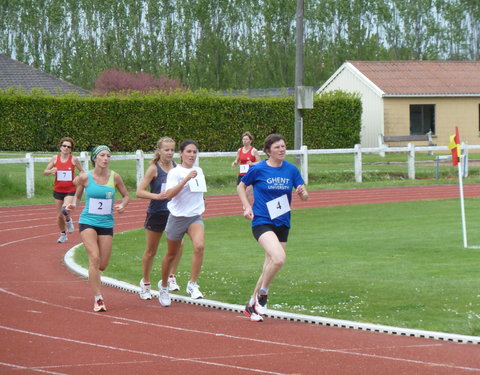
<point x="47" y="326"/>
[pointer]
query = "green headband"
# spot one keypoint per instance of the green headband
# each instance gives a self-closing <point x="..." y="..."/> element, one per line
<point x="98" y="149"/>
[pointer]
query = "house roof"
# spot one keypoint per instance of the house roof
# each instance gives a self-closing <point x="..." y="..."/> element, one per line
<point x="16" y="74"/>
<point x="422" y="78"/>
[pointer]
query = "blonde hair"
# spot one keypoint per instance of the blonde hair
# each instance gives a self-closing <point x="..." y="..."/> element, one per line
<point x="161" y="141"/>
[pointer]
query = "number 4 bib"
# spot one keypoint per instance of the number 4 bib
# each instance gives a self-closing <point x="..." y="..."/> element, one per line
<point x="279" y="206"/>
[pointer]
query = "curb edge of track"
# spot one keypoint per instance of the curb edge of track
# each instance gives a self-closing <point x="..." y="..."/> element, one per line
<point x="329" y="322"/>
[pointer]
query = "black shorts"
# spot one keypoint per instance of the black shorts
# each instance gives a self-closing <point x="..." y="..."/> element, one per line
<point x="156" y="221"/>
<point x="61" y="196"/>
<point x="239" y="178"/>
<point x="100" y="231"/>
<point x="281" y="231"/>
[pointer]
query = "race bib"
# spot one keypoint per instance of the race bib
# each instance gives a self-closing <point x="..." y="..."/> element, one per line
<point x="198" y="184"/>
<point x="64" y="176"/>
<point x="279" y="206"/>
<point x="244" y="168"/>
<point x="100" y="206"/>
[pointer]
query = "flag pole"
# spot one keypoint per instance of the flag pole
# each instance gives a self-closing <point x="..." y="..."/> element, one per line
<point x="462" y="203"/>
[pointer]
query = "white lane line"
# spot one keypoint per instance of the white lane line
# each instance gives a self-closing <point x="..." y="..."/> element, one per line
<point x="140" y="352"/>
<point x="348" y="352"/>
<point x="27" y="239"/>
<point x="35" y="369"/>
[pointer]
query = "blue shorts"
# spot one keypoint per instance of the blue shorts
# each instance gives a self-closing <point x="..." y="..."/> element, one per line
<point x="156" y="221"/>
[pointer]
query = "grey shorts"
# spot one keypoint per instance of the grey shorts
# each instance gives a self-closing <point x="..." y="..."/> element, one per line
<point x="177" y="226"/>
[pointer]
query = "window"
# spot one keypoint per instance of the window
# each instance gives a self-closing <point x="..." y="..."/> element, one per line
<point x="422" y="119"/>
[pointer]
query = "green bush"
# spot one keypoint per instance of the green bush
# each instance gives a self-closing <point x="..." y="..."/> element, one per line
<point x="126" y="123"/>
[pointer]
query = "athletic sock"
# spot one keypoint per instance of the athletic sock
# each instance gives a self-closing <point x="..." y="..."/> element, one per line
<point x="98" y="297"/>
<point x="263" y="291"/>
<point x="252" y="301"/>
<point x="64" y="211"/>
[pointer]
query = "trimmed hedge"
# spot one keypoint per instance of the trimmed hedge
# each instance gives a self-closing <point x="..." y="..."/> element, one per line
<point x="127" y="123"/>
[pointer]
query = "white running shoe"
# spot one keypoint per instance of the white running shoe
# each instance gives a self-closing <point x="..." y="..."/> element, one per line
<point x="164" y="297"/>
<point x="63" y="238"/>
<point x="261" y="303"/>
<point x="252" y="314"/>
<point x="172" y="283"/>
<point x="194" y="290"/>
<point x="70" y="226"/>
<point x="145" y="290"/>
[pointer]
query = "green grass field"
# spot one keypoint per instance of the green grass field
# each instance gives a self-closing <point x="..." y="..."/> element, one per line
<point x="400" y="264"/>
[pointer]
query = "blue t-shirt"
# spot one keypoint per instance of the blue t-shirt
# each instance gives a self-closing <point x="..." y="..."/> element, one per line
<point x="271" y="183"/>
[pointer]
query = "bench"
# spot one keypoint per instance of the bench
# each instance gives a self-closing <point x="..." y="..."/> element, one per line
<point x="407" y="138"/>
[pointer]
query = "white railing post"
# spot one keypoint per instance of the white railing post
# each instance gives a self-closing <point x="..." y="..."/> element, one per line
<point x="411" y="161"/>
<point x="358" y="163"/>
<point x="381" y="146"/>
<point x="85" y="160"/>
<point x="304" y="164"/>
<point x="30" y="175"/>
<point x="140" y="162"/>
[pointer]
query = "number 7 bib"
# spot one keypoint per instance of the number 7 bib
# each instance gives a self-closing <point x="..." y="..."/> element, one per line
<point x="279" y="206"/>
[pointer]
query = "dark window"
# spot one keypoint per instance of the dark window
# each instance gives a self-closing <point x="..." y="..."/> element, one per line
<point x="422" y="119"/>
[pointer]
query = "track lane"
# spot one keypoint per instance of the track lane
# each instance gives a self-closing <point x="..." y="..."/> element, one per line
<point x="45" y="309"/>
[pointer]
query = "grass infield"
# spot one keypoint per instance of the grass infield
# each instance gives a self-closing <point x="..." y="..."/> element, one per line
<point x="400" y="264"/>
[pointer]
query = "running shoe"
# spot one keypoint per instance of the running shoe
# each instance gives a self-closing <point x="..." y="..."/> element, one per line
<point x="164" y="297"/>
<point x="70" y="226"/>
<point x="261" y="303"/>
<point x="194" y="290"/>
<point x="172" y="283"/>
<point x="99" y="306"/>
<point x="145" y="290"/>
<point x="252" y="314"/>
<point x="63" y="238"/>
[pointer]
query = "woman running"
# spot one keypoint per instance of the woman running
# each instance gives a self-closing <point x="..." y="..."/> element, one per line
<point x="157" y="213"/>
<point x="272" y="180"/>
<point x="96" y="220"/>
<point x="185" y="188"/>
<point x="63" y="167"/>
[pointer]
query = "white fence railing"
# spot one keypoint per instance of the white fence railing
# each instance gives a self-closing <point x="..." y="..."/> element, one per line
<point x="29" y="160"/>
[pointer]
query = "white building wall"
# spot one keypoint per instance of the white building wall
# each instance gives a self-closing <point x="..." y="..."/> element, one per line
<point x="348" y="79"/>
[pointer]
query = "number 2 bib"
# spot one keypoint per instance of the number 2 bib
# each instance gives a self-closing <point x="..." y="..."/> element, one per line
<point x="277" y="207"/>
<point x="100" y="206"/>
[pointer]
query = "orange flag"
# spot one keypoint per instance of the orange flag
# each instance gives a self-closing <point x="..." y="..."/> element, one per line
<point x="454" y="146"/>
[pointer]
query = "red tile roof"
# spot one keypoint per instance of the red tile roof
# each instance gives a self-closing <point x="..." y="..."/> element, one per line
<point x="423" y="77"/>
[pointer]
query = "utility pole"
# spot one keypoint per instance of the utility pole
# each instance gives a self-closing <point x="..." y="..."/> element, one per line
<point x="298" y="139"/>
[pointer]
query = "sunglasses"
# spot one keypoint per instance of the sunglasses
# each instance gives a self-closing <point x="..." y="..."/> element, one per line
<point x="66" y="146"/>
